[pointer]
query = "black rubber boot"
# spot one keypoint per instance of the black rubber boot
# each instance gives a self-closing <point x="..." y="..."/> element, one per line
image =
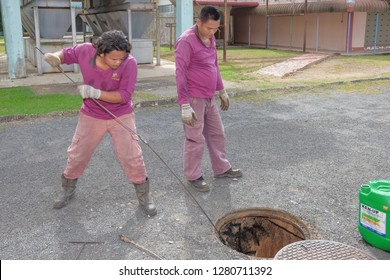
<point x="69" y="186"/>
<point x="145" y="199"/>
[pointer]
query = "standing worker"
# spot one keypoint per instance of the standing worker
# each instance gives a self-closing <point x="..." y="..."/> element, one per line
<point x="109" y="74"/>
<point x="198" y="78"/>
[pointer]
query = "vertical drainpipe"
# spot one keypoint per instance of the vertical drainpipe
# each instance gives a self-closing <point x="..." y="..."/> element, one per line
<point x="305" y="27"/>
<point x="318" y="31"/>
<point x="349" y="32"/>
<point x="74" y="35"/>
<point x="269" y="32"/>
<point x="376" y="31"/>
<point x="350" y="11"/>
<point x="291" y="30"/>
<point x="226" y="30"/>
<point x="13" y="35"/>
<point x="249" y="30"/>
<point x="158" y="36"/>
<point x="37" y="40"/>
<point x="130" y="32"/>
<point x="266" y="25"/>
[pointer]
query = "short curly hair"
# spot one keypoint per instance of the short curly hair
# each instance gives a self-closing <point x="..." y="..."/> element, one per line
<point x="113" y="40"/>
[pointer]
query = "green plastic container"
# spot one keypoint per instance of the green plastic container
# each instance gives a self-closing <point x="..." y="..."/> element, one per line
<point x="374" y="213"/>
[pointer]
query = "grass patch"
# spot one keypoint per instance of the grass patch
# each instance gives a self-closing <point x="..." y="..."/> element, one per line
<point x="22" y="100"/>
<point x="25" y="101"/>
<point x="366" y="87"/>
<point x="166" y="53"/>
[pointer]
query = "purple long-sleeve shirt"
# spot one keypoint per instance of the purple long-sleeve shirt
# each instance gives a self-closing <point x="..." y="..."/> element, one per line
<point x="122" y="79"/>
<point x="197" y="71"/>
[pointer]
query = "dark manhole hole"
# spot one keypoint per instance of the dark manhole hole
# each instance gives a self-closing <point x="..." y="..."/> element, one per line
<point x="260" y="232"/>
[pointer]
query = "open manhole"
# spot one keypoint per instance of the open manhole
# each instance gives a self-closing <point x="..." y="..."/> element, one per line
<point x="260" y="232"/>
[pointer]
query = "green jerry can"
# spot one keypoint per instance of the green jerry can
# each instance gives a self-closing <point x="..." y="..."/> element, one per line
<point x="374" y="214"/>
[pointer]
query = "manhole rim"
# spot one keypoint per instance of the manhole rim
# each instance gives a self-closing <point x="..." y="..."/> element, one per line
<point x="264" y="212"/>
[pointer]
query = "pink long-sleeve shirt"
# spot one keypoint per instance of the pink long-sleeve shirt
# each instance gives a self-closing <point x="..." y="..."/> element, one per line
<point x="197" y="71"/>
<point x="122" y="79"/>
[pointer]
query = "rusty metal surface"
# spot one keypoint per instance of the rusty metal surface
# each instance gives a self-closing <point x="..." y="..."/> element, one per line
<point x="320" y="250"/>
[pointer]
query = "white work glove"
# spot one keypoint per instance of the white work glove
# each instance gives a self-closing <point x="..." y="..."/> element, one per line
<point x="187" y="114"/>
<point x="87" y="91"/>
<point x="225" y="102"/>
<point x="53" y="59"/>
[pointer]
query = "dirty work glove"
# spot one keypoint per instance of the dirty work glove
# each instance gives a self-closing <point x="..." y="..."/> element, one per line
<point x="187" y="114"/>
<point x="53" y="59"/>
<point x="87" y="91"/>
<point x="225" y="102"/>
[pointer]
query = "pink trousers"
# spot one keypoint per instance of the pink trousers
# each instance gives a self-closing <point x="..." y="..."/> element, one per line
<point x="89" y="133"/>
<point x="207" y="130"/>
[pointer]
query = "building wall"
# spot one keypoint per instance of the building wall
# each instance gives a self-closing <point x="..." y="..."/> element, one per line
<point x="257" y="33"/>
<point x="241" y="29"/>
<point x="377" y="33"/>
<point x="280" y="28"/>
<point x="333" y="32"/>
<point x="359" y="30"/>
<point x="327" y="31"/>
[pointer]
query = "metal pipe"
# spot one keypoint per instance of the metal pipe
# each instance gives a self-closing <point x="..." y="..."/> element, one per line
<point x="158" y="36"/>
<point x="291" y="30"/>
<point x="74" y="35"/>
<point x="305" y="28"/>
<point x="249" y="30"/>
<point x="266" y="25"/>
<point x="268" y="31"/>
<point x="318" y="31"/>
<point x="376" y="31"/>
<point x="130" y="32"/>
<point x="37" y="39"/>
<point x="226" y="31"/>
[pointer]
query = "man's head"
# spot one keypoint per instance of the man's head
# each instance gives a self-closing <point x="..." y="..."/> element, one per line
<point x="113" y="48"/>
<point x="208" y="22"/>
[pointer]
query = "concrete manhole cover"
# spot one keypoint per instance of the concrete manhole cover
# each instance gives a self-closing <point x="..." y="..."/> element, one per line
<point x="260" y="232"/>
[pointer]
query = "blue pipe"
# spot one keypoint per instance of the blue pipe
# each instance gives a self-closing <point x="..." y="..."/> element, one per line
<point x="184" y="16"/>
<point x="269" y="33"/>
<point x="13" y="35"/>
<point x="376" y="31"/>
<point x="349" y="32"/>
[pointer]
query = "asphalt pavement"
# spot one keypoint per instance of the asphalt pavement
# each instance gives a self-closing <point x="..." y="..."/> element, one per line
<point x="306" y="153"/>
